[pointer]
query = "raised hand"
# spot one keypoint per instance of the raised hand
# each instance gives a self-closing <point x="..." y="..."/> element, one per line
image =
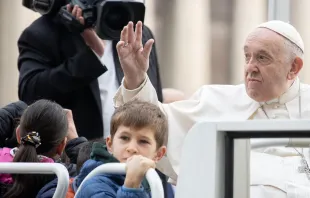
<point x="134" y="58"/>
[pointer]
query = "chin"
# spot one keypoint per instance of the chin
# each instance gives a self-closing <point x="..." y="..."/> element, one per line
<point x="254" y="95"/>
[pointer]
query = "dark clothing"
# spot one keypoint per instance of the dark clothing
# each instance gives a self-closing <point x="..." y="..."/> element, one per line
<point x="9" y="115"/>
<point x="73" y="147"/>
<point x="72" y="151"/>
<point x="57" y="65"/>
<point x="48" y="190"/>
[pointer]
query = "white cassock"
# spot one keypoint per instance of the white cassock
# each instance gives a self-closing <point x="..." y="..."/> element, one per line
<point x="272" y="172"/>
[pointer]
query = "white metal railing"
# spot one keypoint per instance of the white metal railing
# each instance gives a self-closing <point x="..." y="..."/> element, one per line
<point x="286" y="142"/>
<point x="40" y="168"/>
<point x="120" y="168"/>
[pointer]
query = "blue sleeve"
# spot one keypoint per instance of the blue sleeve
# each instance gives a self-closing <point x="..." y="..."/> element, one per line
<point x="96" y="188"/>
<point x="102" y="187"/>
<point x="125" y="192"/>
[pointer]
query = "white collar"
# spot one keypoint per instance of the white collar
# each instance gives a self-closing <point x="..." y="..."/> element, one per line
<point x="289" y="95"/>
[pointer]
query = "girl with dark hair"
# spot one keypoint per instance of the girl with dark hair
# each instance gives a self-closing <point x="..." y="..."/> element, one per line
<point x="42" y="135"/>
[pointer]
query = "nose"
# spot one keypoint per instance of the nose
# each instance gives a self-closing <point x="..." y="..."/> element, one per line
<point x="251" y="67"/>
<point x="132" y="147"/>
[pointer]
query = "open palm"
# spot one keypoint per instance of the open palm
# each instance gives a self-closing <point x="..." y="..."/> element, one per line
<point x="134" y="58"/>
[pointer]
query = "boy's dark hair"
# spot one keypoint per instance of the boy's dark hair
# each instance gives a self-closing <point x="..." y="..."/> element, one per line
<point x="138" y="114"/>
<point x="84" y="153"/>
<point x="49" y="120"/>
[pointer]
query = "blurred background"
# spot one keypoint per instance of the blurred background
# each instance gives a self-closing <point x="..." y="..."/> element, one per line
<point x="198" y="41"/>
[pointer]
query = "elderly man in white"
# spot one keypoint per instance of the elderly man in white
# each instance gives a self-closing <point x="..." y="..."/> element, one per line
<point x="273" y="54"/>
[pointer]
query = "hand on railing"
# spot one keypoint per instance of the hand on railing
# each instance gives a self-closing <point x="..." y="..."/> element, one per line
<point x="136" y="168"/>
<point x="120" y="168"/>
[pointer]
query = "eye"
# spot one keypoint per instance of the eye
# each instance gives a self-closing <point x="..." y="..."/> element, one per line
<point x="144" y="141"/>
<point x="261" y="57"/>
<point x="125" y="138"/>
<point x="247" y="57"/>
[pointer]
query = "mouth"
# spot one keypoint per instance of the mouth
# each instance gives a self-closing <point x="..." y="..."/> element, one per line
<point x="125" y="158"/>
<point x="253" y="80"/>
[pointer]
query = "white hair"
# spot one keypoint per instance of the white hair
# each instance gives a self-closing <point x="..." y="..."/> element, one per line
<point x="293" y="49"/>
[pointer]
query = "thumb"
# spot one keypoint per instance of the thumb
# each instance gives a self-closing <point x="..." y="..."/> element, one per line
<point x="147" y="48"/>
<point x="119" y="45"/>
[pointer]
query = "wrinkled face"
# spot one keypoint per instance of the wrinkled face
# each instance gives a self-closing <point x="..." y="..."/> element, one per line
<point x="266" y="65"/>
<point x="128" y="142"/>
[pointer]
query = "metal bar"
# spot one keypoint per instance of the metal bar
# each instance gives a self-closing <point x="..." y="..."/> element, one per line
<point x="287" y="142"/>
<point x="229" y="167"/>
<point x="269" y="134"/>
<point x="241" y="168"/>
<point x="40" y="168"/>
<point x="120" y="168"/>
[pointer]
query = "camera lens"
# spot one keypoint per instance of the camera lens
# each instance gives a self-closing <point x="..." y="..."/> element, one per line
<point x="117" y="17"/>
<point x="28" y="3"/>
<point x="113" y="15"/>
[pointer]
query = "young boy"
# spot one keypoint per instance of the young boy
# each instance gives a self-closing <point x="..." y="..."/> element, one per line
<point x="138" y="138"/>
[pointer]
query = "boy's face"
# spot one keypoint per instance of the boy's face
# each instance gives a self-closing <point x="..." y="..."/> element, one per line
<point x="129" y="141"/>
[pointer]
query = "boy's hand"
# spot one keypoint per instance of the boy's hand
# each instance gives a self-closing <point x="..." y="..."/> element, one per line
<point x="136" y="168"/>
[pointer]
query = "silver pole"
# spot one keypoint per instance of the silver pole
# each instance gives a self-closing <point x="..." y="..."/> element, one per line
<point x="279" y="10"/>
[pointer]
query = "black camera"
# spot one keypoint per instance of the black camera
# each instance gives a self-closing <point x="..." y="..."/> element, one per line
<point x="108" y="17"/>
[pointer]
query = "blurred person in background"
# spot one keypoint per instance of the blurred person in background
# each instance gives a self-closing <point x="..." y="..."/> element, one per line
<point x="79" y="71"/>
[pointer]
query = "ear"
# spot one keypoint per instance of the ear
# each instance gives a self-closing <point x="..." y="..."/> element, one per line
<point x="61" y="147"/>
<point x="160" y="153"/>
<point x="109" y="143"/>
<point x="18" y="138"/>
<point x="295" y="68"/>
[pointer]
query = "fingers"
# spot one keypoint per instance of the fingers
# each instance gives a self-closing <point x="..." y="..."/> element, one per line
<point x="69" y="8"/>
<point x="128" y="36"/>
<point x="131" y="33"/>
<point x="124" y="34"/>
<point x="138" y="33"/>
<point x="74" y="11"/>
<point x="148" y="48"/>
<point x="81" y="20"/>
<point x="77" y="13"/>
